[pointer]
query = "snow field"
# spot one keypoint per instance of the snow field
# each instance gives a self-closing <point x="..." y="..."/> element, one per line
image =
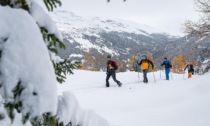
<point x="176" y="102"/>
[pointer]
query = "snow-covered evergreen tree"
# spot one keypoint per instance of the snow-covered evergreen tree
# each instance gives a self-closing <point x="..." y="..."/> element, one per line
<point x="30" y="69"/>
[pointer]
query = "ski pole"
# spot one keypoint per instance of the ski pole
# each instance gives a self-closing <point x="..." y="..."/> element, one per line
<point x="171" y="77"/>
<point x="183" y="75"/>
<point x="154" y="76"/>
<point x="160" y="74"/>
<point x="137" y="68"/>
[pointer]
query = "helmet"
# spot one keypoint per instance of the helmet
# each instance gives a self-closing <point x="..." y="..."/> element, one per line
<point x="109" y="56"/>
<point x="144" y="56"/>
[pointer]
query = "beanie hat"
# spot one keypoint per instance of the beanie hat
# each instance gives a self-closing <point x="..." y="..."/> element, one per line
<point x="144" y="56"/>
<point x="109" y="56"/>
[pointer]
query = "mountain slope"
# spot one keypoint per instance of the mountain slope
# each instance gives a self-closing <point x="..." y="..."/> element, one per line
<point x="98" y="37"/>
<point x="90" y="40"/>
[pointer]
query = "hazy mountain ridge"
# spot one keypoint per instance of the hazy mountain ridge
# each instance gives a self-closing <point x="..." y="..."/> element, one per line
<point x="102" y="34"/>
<point x="95" y="38"/>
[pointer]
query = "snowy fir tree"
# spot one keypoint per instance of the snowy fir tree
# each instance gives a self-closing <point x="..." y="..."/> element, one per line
<point x="30" y="69"/>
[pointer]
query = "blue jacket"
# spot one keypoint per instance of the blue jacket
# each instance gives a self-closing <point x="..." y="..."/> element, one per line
<point x="167" y="64"/>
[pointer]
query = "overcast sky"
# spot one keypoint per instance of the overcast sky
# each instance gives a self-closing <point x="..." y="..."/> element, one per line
<point x="166" y="15"/>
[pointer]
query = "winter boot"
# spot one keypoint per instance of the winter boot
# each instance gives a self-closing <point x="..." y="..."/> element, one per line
<point x="119" y="83"/>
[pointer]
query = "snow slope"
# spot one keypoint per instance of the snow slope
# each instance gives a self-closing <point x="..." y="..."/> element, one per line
<point x="68" y="21"/>
<point x="177" y="102"/>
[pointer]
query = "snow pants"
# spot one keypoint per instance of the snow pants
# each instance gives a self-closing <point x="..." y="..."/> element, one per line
<point x="113" y="74"/>
<point x="167" y="71"/>
<point x="145" y="76"/>
<point x="189" y="74"/>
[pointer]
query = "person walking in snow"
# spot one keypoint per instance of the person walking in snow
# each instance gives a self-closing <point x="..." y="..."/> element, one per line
<point x="144" y="63"/>
<point x="190" y="69"/>
<point x="111" y="71"/>
<point x="168" y="66"/>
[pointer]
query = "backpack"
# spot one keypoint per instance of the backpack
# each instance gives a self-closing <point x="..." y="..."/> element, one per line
<point x="115" y="65"/>
<point x="145" y="65"/>
<point x="168" y="64"/>
<point x="191" y="68"/>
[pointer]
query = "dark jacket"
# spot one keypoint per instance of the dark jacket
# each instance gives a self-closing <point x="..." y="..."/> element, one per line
<point x="111" y="66"/>
<point x="189" y="67"/>
<point x="149" y="62"/>
<point x="167" y="64"/>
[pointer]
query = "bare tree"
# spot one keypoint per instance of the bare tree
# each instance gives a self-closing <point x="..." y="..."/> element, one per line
<point x="200" y="28"/>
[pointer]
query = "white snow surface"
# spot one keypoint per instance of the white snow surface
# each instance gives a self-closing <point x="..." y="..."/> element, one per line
<point x="75" y="55"/>
<point x="25" y="59"/>
<point x="177" y="102"/>
<point x="69" y="110"/>
<point x="206" y="60"/>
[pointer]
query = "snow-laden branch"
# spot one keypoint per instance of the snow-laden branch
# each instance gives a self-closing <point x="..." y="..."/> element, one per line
<point x="25" y="61"/>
